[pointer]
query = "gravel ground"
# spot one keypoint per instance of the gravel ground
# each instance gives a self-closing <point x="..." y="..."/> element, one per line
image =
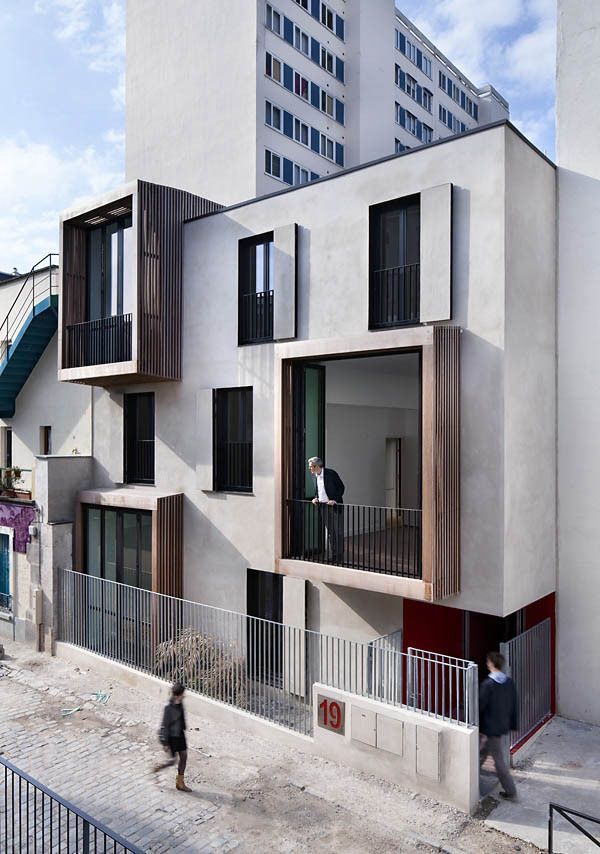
<point x="248" y="793"/>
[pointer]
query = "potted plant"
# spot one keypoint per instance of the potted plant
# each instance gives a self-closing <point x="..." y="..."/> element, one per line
<point x="10" y="478"/>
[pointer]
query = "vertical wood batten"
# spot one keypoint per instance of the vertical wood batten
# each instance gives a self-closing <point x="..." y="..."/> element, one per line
<point x="168" y="546"/>
<point x="446" y="462"/>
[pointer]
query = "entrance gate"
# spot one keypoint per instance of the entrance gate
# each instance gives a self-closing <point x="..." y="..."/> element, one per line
<point x="529" y="663"/>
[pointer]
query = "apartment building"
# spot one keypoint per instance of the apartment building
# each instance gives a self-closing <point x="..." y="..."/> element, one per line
<point x="304" y="89"/>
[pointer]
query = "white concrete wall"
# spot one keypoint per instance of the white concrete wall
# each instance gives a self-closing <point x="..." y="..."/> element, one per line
<point x="434" y="758"/>
<point x="191" y="96"/>
<point x="578" y="129"/>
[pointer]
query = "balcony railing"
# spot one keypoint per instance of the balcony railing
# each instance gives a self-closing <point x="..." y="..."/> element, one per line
<point x="5" y="603"/>
<point x="394" y="296"/>
<point x="376" y="539"/>
<point x="234" y="466"/>
<point x="99" y="342"/>
<point x="139" y="462"/>
<point x="256" y="317"/>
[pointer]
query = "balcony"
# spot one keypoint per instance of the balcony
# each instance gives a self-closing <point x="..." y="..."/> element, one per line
<point x="373" y="539"/>
<point x="121" y="280"/>
<point x="99" y="342"/>
<point x="256" y="317"/>
<point x="394" y="297"/>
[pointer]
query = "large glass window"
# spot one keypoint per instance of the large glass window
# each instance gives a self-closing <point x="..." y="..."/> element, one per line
<point x="256" y="278"/>
<point x="233" y="439"/>
<point x="106" y="264"/>
<point x="118" y="545"/>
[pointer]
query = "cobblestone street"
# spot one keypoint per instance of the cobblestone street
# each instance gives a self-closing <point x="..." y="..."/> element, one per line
<point x="248" y="794"/>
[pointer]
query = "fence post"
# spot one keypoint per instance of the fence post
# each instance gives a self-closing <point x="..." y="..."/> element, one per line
<point x="85" y="838"/>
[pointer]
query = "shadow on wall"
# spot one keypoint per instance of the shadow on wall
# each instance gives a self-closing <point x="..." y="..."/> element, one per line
<point x="354" y="614"/>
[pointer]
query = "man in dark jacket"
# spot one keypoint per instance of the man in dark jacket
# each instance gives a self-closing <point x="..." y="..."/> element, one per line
<point x="497" y="717"/>
<point x="172" y="733"/>
<point x="329" y="492"/>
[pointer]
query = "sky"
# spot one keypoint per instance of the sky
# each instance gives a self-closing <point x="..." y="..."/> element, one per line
<point x="62" y="94"/>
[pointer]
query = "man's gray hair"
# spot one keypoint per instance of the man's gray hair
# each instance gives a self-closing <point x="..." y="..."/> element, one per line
<point x="315" y="461"/>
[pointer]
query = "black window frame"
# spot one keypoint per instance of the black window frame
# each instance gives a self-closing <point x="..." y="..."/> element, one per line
<point x="255" y="305"/>
<point x="233" y="467"/>
<point x="400" y="285"/>
<point x="138" y="466"/>
<point x="105" y="297"/>
<point x="119" y="544"/>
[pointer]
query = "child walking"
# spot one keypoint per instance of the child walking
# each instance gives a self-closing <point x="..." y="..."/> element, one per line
<point x="172" y="734"/>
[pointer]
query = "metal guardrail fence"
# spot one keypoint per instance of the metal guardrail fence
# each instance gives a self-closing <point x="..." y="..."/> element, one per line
<point x="375" y="539"/>
<point x="34" y="818"/>
<point x="267" y="669"/>
<point x="569" y="814"/>
<point x="394" y="296"/>
<point x="528" y="662"/>
<point x="99" y="342"/>
<point x="256" y="317"/>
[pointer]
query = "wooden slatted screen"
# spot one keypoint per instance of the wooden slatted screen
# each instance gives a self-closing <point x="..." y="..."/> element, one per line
<point x="73" y="271"/>
<point x="167" y="546"/>
<point x="446" y="462"/>
<point x="162" y="212"/>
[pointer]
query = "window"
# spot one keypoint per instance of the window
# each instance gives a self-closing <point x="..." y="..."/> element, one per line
<point x="394" y="247"/>
<point x="455" y="93"/>
<point x="411" y="87"/>
<point x="398" y="75"/>
<point x="273" y="116"/>
<point x="426" y="66"/>
<point x="256" y="277"/>
<point x="300" y="132"/>
<point x="327" y="103"/>
<point x="427" y="100"/>
<point x="426" y="134"/>
<point x="300" y="85"/>
<point x="272" y="164"/>
<point x="107" y="248"/>
<point x="442" y="80"/>
<point x="233" y="439"/>
<point x="139" y="438"/>
<point x="274" y="20"/>
<point x="399" y="147"/>
<point x="398" y="40"/>
<point x="398" y="114"/>
<point x="46" y="440"/>
<point x="300" y="175"/>
<point x="410" y="123"/>
<point x="7" y="450"/>
<point x="411" y="51"/>
<point x="118" y="545"/>
<point x="303" y="3"/>
<point x="327" y="60"/>
<point x="327" y="147"/>
<point x="273" y="68"/>
<point x="327" y="17"/>
<point x="443" y="115"/>
<point x="301" y="41"/>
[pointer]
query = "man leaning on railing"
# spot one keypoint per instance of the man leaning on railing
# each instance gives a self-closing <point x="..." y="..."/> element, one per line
<point x="329" y="492"/>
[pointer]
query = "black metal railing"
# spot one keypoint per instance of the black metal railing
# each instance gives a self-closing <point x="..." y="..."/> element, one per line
<point x="376" y="539"/>
<point x="256" y="317"/>
<point x="139" y="461"/>
<point x="40" y="284"/>
<point x="234" y="466"/>
<point x="394" y="296"/>
<point x="569" y="815"/>
<point x="36" y="819"/>
<point x="99" y="342"/>
<point x="6" y="603"/>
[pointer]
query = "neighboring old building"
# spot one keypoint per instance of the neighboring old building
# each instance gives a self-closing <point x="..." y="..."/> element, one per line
<point x="269" y="93"/>
<point x="578" y="363"/>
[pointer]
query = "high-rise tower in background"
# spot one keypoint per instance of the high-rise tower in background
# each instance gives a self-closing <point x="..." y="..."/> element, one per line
<point x="237" y="99"/>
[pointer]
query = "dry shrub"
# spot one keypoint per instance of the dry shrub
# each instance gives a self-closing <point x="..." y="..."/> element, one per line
<point x="205" y="665"/>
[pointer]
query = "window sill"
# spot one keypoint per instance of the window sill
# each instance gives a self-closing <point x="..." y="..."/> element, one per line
<point x="228" y="492"/>
<point x="7" y="616"/>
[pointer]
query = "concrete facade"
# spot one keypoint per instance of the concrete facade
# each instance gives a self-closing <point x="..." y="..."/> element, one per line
<point x="201" y="122"/>
<point x="578" y="375"/>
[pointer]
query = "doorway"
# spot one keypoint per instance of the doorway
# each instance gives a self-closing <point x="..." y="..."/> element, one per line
<point x="5" y="596"/>
<point x="265" y="631"/>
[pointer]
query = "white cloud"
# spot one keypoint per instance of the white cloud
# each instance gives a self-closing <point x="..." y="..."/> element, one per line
<point x="537" y="127"/>
<point x="37" y="183"/>
<point x="96" y="30"/>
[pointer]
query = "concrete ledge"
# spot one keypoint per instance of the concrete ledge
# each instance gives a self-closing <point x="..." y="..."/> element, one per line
<point x="202" y="706"/>
<point x="360" y="579"/>
<point x="429" y="756"/>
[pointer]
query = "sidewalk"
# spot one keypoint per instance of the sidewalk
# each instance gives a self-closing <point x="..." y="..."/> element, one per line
<point x="250" y="794"/>
<point x="562" y="766"/>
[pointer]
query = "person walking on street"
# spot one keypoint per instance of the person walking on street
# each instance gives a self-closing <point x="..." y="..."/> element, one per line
<point x="172" y="733"/>
<point x="497" y="717"/>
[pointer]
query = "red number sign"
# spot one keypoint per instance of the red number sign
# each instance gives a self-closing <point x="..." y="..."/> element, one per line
<point x="331" y="714"/>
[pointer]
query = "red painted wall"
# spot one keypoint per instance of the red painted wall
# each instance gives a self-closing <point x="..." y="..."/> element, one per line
<point x="433" y="627"/>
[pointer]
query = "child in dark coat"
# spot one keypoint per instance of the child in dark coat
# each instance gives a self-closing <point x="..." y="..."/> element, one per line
<point x="172" y="733"/>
